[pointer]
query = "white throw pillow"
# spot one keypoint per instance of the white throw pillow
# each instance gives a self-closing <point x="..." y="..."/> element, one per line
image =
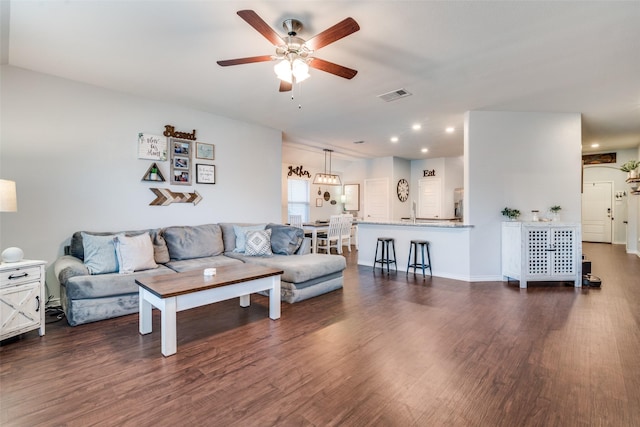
<point x="241" y="232"/>
<point x="135" y="253"/>
<point x="258" y="243"/>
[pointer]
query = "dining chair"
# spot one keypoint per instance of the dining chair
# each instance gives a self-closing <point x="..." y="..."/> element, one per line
<point x="345" y="230"/>
<point x="332" y="238"/>
<point x="295" y="221"/>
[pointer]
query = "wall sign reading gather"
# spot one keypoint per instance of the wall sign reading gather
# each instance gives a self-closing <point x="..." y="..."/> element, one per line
<point x="170" y="131"/>
<point x="428" y="172"/>
<point x="298" y="170"/>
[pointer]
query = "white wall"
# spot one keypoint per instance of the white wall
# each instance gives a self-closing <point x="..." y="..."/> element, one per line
<point x="449" y="169"/>
<point x="71" y="148"/>
<point x="520" y="160"/>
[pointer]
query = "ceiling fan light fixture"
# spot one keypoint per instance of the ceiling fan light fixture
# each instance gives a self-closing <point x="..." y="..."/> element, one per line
<point x="300" y="69"/>
<point x="283" y="71"/>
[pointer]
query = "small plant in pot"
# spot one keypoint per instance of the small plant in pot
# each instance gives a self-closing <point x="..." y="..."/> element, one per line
<point x="631" y="168"/>
<point x="555" y="212"/>
<point x="512" y="214"/>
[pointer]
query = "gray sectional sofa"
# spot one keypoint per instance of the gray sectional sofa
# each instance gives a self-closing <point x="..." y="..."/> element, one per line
<point x="89" y="292"/>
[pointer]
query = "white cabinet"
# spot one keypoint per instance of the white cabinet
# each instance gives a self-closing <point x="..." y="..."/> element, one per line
<point x="21" y="298"/>
<point x="542" y="251"/>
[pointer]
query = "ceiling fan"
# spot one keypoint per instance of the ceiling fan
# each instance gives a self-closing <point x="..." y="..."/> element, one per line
<point x="293" y="52"/>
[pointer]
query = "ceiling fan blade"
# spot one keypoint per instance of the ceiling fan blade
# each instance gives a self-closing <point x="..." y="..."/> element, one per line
<point x="249" y="60"/>
<point x="285" y="86"/>
<point x="330" y="67"/>
<point x="262" y="27"/>
<point x="332" y="34"/>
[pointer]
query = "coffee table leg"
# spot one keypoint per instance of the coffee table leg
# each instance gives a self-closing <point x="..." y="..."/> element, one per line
<point x="274" y="298"/>
<point x="245" y="300"/>
<point x="168" y="326"/>
<point x="144" y="313"/>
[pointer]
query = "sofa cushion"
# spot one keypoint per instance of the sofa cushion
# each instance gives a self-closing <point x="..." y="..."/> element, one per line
<point x="134" y="253"/>
<point x="241" y="234"/>
<point x="285" y="240"/>
<point x="160" y="251"/>
<point x="100" y="253"/>
<point x="186" y="242"/>
<point x="258" y="243"/>
<point x="201" y="263"/>
<point x="298" y="268"/>
<point x="104" y="285"/>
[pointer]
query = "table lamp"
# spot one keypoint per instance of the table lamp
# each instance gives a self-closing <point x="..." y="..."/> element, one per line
<point x="9" y="203"/>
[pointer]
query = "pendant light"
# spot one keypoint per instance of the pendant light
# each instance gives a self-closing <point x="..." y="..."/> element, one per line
<point x="327" y="178"/>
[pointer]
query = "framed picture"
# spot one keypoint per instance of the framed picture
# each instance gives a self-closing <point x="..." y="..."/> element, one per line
<point x="152" y="147"/>
<point x="180" y="147"/>
<point x="180" y="161"/>
<point x="319" y="202"/>
<point x="205" y="151"/>
<point x="205" y="174"/>
<point x="352" y="197"/>
<point x="181" y="177"/>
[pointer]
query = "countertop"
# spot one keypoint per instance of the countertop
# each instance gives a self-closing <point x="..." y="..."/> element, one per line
<point x="419" y="223"/>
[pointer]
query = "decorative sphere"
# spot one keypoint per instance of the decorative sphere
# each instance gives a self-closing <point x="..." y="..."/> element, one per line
<point x="12" y="255"/>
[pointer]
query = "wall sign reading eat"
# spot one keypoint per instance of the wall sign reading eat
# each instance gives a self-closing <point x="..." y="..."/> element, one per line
<point x="427" y="172"/>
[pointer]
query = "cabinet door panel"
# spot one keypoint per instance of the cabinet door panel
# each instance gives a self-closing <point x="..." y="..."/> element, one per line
<point x="564" y="251"/>
<point x="537" y="251"/>
<point x="19" y="307"/>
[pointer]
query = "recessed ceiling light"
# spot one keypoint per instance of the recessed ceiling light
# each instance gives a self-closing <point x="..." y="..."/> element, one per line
<point x="450" y="129"/>
<point x="424" y="150"/>
<point x="417" y="126"/>
<point x="595" y="145"/>
<point x="394" y="139"/>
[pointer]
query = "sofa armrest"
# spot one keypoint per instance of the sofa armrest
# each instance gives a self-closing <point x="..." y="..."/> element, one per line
<point x="68" y="266"/>
<point x="305" y="247"/>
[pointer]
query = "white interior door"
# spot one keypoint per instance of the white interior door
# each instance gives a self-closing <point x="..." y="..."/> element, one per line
<point x="430" y="198"/>
<point x="376" y="199"/>
<point x="597" y="212"/>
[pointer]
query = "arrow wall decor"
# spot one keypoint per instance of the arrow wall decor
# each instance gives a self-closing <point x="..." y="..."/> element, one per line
<point x="164" y="197"/>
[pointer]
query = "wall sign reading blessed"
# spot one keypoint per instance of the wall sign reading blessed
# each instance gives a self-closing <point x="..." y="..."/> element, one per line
<point x="170" y="131"/>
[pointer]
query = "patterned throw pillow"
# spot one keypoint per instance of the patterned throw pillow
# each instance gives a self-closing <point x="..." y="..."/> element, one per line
<point x="258" y="243"/>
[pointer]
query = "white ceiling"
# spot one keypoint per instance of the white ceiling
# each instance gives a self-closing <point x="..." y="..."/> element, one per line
<point x="453" y="56"/>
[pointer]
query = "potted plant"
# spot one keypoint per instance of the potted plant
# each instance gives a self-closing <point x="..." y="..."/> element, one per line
<point x="512" y="214"/>
<point x="631" y="168"/>
<point x="153" y="173"/>
<point x="555" y="212"/>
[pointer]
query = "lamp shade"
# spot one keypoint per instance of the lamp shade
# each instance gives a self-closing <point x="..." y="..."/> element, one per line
<point x="8" y="200"/>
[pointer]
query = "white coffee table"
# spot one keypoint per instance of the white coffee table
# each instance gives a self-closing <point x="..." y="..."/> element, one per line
<point x="171" y="293"/>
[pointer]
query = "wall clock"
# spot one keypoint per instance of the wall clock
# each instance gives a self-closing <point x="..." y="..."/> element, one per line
<point x="403" y="190"/>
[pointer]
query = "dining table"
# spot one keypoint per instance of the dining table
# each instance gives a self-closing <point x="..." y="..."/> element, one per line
<point x="314" y="228"/>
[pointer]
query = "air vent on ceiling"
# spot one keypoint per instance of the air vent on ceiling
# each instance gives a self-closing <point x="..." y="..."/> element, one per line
<point x="394" y="94"/>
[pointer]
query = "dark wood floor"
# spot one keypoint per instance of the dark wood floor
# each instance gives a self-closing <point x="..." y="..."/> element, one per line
<point x="385" y="350"/>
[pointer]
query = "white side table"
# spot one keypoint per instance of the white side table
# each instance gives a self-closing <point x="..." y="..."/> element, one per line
<point x="22" y="297"/>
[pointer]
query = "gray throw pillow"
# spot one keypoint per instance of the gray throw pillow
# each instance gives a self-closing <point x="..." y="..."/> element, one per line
<point x="285" y="240"/>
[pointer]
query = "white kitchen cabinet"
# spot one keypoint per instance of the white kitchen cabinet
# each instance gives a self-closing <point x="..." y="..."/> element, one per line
<point x="21" y="298"/>
<point x="542" y="251"/>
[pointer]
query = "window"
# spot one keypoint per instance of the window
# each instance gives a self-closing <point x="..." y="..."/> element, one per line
<point x="298" y="198"/>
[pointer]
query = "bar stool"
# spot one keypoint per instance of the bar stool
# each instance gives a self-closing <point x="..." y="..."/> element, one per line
<point x="383" y="242"/>
<point x="414" y="247"/>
